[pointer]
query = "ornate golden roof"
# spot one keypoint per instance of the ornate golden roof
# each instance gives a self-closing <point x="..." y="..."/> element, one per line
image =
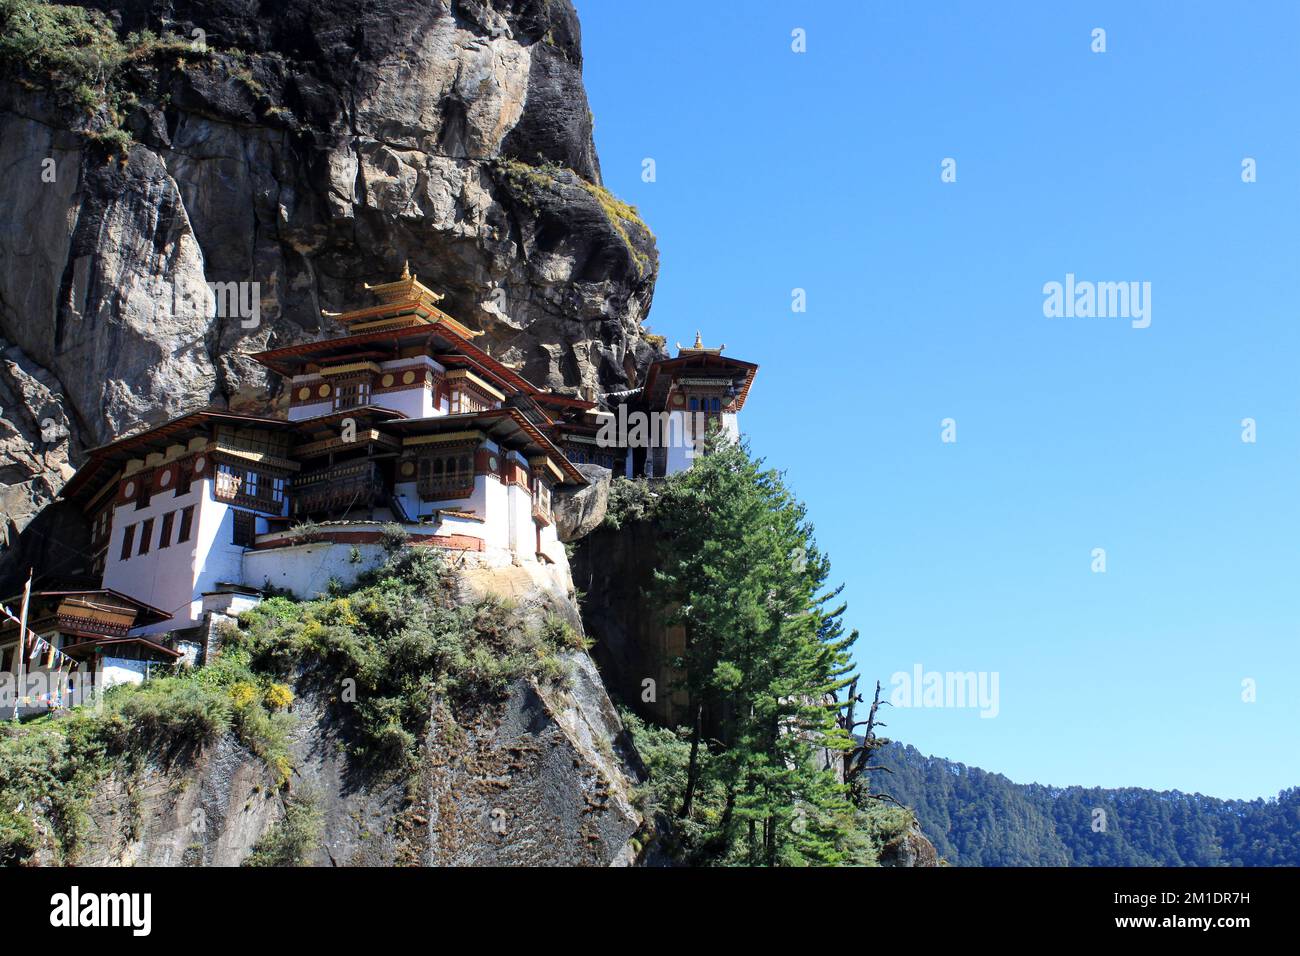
<point x="406" y="289"/>
<point x="698" y="348"/>
<point x="403" y="303"/>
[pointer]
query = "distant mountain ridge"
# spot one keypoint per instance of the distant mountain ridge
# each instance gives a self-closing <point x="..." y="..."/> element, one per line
<point x="978" y="818"/>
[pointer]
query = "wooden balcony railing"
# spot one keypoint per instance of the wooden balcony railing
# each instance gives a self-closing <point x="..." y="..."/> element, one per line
<point x="353" y="485"/>
<point x="443" y="488"/>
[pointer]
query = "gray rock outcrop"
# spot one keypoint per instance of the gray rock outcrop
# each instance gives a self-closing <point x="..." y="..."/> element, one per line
<point x="580" y="511"/>
<point x="910" y="848"/>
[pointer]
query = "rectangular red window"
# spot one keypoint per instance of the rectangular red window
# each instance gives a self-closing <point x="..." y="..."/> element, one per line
<point x="128" y="537"/>
<point x="165" y="534"/>
<point x="187" y="524"/>
<point x="146" y="532"/>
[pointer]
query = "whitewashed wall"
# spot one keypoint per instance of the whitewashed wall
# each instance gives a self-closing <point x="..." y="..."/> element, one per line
<point x="305" y="570"/>
<point x="164" y="577"/>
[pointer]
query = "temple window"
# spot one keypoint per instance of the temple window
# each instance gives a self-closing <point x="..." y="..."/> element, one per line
<point x="446" y="476"/>
<point x="462" y="402"/>
<point x="542" y="501"/>
<point x="187" y="524"/>
<point x="99" y="531"/>
<point x="229" y="481"/>
<point x="128" y="536"/>
<point x="165" y="533"/>
<point x="351" y="394"/>
<point x="146" y="532"/>
<point x="246" y="486"/>
<point x="337" y="489"/>
<point x="244" y="529"/>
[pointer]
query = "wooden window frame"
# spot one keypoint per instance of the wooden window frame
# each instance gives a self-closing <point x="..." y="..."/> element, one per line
<point x="243" y="531"/>
<point x="433" y="482"/>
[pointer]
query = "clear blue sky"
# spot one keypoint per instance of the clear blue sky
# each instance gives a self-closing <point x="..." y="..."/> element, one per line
<point x="821" y="171"/>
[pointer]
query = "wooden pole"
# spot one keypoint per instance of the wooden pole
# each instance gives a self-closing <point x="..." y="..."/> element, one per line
<point x="22" y="642"/>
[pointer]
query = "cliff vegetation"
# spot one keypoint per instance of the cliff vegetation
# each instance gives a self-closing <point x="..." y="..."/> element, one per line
<point x="383" y="657"/>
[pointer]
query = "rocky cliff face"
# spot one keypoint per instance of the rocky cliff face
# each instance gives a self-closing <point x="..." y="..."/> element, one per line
<point x="538" y="780"/>
<point x="306" y="147"/>
<point x="539" y="772"/>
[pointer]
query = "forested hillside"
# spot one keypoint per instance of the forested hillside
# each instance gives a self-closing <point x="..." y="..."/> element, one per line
<point x="977" y="818"/>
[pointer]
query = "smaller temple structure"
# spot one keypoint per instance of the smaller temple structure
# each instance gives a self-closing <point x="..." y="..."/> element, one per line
<point x="74" y="638"/>
<point x="684" y="398"/>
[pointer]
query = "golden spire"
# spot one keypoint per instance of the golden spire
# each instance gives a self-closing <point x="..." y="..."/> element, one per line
<point x="406" y="269"/>
<point x="698" y="348"/>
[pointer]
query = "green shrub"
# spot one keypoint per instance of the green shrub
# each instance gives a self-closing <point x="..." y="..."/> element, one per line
<point x="173" y="715"/>
<point x="293" y="837"/>
<point x="403" y="639"/>
<point x="393" y="537"/>
<point x="76" y="53"/>
<point x="629" y="500"/>
<point x="48" y="772"/>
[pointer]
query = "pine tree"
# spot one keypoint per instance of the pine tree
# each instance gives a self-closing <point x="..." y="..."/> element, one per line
<point x="765" y="659"/>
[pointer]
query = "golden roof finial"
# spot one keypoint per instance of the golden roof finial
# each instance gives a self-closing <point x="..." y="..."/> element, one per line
<point x="698" y="348"/>
<point x="406" y="269"/>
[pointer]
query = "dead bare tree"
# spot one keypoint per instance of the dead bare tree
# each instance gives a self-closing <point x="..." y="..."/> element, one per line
<point x="857" y="761"/>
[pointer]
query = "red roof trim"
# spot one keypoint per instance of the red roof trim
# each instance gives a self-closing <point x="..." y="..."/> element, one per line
<point x="703" y="361"/>
<point x="94" y="457"/>
<point x="472" y="353"/>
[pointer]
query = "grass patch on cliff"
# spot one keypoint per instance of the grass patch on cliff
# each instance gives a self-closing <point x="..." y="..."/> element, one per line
<point x="47" y="775"/>
<point x="526" y="181"/>
<point x="384" y="652"/>
<point x="50" y="768"/>
<point x="76" y="53"/>
<point x="75" y="49"/>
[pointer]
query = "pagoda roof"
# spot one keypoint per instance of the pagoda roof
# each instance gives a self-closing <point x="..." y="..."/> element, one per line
<point x="661" y="374"/>
<point x="403" y="303"/>
<point x="503" y="425"/>
<point x="367" y="412"/>
<point x="447" y="345"/>
<point x="103" y="462"/>
<point x="145" y="613"/>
